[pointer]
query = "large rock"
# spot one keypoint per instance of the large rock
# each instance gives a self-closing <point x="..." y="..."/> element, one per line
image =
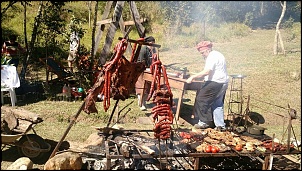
<point x="94" y="139"/>
<point x="64" y="161"/>
<point x="23" y="163"/>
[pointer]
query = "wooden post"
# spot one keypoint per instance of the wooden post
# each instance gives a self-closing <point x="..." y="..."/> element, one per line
<point x="108" y="163"/>
<point x="271" y="156"/>
<point x="289" y="134"/>
<point x="116" y="21"/>
<point x="102" y="27"/>
<point x="266" y="162"/>
<point x="196" y="163"/>
<point x="136" y="18"/>
<point x="111" y="32"/>
<point x="179" y="104"/>
<point x="122" y="27"/>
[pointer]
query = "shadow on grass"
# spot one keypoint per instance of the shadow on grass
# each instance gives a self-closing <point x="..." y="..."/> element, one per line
<point x="185" y="113"/>
<point x="10" y="152"/>
<point x="33" y="92"/>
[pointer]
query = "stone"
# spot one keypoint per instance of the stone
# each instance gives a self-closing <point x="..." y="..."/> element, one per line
<point x="23" y="163"/>
<point x="64" y="161"/>
<point x="94" y="139"/>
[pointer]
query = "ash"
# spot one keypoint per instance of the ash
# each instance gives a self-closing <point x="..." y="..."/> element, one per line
<point x="125" y="153"/>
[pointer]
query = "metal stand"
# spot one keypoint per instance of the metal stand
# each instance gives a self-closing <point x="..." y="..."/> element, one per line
<point x="235" y="99"/>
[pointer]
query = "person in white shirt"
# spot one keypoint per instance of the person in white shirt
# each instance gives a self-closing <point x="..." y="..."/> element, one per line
<point x="210" y="99"/>
<point x="73" y="49"/>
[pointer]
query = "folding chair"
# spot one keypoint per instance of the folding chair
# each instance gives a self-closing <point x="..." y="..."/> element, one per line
<point x="55" y="67"/>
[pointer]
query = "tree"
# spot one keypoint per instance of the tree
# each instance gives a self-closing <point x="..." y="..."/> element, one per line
<point x="178" y="14"/>
<point x="278" y="38"/>
<point x="89" y="12"/>
<point x="31" y="46"/>
<point x="9" y="5"/>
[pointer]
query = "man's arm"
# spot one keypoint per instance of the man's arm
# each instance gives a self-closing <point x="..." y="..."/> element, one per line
<point x="3" y="51"/>
<point x="203" y="73"/>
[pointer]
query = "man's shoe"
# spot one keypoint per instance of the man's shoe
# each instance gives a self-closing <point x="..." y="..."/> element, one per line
<point x="201" y="126"/>
<point x="220" y="128"/>
<point x="143" y="108"/>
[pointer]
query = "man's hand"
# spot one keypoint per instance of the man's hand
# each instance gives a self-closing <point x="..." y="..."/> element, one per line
<point x="190" y="79"/>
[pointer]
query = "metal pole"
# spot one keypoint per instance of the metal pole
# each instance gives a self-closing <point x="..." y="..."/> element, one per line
<point x="289" y="134"/>
<point x="112" y="112"/>
<point x="67" y="130"/>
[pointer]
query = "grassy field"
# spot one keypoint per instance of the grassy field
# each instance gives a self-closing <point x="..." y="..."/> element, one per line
<point x="269" y="82"/>
<point x="272" y="81"/>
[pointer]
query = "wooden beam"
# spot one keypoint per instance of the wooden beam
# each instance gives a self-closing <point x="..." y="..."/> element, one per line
<point x="142" y="43"/>
<point x="135" y="15"/>
<point x="130" y="23"/>
<point x="102" y="28"/>
<point x="126" y="23"/>
<point x="106" y="21"/>
<point x="111" y="32"/>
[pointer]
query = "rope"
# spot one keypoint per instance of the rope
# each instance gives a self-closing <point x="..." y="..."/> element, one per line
<point x="271" y="104"/>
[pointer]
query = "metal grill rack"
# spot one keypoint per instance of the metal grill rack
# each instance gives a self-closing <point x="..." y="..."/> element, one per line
<point x="235" y="99"/>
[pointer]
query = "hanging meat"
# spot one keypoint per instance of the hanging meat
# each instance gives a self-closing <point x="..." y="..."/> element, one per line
<point x="116" y="80"/>
<point x="163" y="98"/>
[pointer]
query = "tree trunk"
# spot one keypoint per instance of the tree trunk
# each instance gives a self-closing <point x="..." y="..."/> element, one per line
<point x="32" y="42"/>
<point x="24" y="24"/>
<point x="89" y="12"/>
<point x="278" y="38"/>
<point x="93" y="31"/>
<point x="92" y="54"/>
<point x="261" y="8"/>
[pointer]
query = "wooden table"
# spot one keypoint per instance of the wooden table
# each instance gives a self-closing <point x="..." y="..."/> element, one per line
<point x="178" y="83"/>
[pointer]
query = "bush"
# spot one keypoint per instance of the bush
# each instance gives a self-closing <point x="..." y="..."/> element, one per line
<point x="293" y="32"/>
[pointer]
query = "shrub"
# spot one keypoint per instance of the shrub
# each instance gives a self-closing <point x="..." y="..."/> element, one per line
<point x="293" y="32"/>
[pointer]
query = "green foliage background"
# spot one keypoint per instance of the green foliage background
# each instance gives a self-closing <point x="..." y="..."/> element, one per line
<point x="189" y="21"/>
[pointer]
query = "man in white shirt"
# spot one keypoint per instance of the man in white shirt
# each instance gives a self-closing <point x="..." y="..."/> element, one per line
<point x="73" y="49"/>
<point x="211" y="96"/>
